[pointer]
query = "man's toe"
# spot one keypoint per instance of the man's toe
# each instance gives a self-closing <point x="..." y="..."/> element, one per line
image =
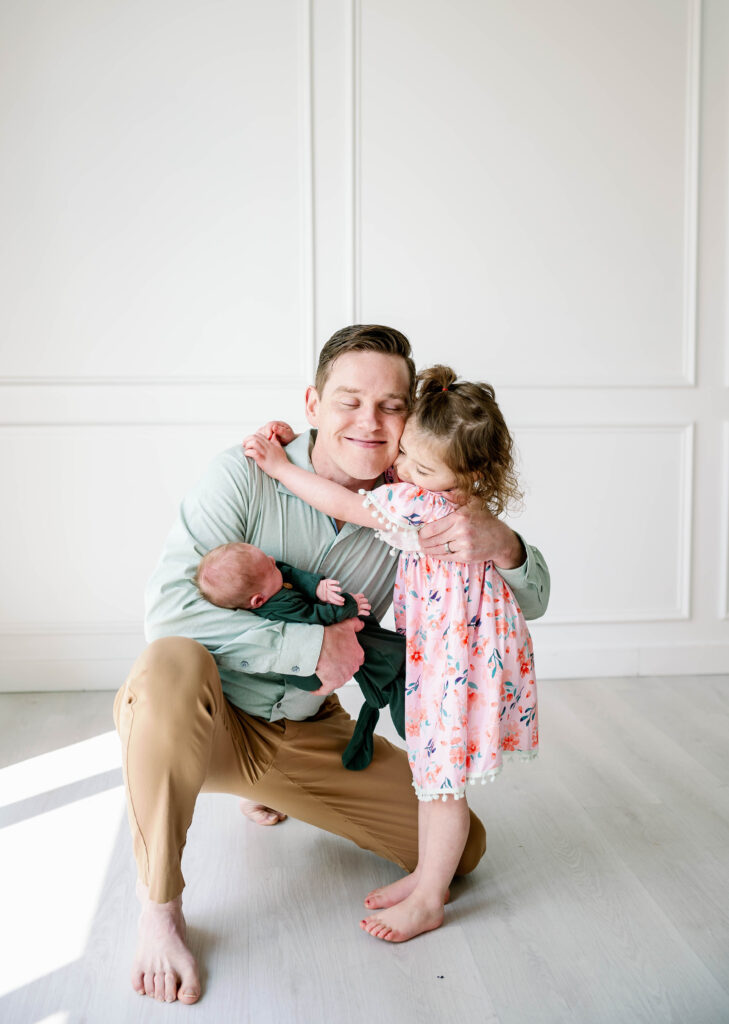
<point x="189" y="988"/>
<point x="170" y="987"/>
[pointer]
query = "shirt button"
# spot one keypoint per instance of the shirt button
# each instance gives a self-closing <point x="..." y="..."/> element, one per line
<point x="294" y="668"/>
<point x="280" y="704"/>
<point x="244" y="664"/>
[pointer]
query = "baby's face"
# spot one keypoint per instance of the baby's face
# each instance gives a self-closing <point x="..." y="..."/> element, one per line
<point x="266" y="573"/>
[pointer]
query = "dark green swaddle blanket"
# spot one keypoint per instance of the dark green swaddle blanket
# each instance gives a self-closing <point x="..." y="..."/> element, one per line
<point x="381" y="678"/>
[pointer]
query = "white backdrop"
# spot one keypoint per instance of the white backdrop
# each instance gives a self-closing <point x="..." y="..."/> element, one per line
<point x="194" y="196"/>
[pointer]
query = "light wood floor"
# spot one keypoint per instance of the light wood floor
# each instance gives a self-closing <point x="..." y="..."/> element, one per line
<point x="603" y="896"/>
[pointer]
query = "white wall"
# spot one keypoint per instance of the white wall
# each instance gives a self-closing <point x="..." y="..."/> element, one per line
<point x="194" y="196"/>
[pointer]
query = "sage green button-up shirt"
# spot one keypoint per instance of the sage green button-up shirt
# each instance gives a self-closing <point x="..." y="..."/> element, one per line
<point x="236" y="501"/>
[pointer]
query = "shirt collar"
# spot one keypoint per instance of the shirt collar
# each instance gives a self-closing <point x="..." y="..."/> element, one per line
<point x="299" y="452"/>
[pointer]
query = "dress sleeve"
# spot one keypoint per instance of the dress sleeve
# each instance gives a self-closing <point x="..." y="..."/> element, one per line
<point x="401" y="509"/>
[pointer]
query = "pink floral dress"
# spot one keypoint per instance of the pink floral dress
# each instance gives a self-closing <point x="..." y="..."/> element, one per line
<point x="470" y="690"/>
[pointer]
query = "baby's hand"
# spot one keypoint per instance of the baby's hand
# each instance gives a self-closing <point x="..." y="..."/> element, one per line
<point x="269" y="455"/>
<point x="277" y="430"/>
<point x="363" y="605"/>
<point x="330" y="592"/>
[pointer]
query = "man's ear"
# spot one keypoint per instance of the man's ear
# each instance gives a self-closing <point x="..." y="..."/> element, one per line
<point x="312" y="406"/>
<point x="257" y="600"/>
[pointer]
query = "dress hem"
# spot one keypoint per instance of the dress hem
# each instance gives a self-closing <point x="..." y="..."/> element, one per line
<point x="483" y="777"/>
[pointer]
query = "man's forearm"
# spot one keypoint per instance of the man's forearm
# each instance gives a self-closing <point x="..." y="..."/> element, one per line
<point x="510" y="552"/>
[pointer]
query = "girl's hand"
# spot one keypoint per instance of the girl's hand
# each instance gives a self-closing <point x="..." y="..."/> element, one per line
<point x="268" y="455"/>
<point x="277" y="430"/>
<point x="363" y="605"/>
<point x="330" y="592"/>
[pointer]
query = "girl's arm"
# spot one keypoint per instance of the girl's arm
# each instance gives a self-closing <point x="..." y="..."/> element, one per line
<point x="326" y="496"/>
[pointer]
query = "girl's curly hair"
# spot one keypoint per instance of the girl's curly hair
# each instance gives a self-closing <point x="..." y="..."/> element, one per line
<point x="478" y="447"/>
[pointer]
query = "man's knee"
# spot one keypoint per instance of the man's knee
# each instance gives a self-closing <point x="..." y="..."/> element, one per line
<point x="171" y="677"/>
<point x="178" y="657"/>
<point x="475" y="846"/>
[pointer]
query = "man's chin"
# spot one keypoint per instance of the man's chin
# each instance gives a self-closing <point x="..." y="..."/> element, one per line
<point x="366" y="465"/>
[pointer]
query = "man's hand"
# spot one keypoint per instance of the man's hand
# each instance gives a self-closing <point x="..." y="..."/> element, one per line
<point x="278" y="430"/>
<point x="268" y="455"/>
<point x="330" y="592"/>
<point x="340" y="657"/>
<point x="363" y="605"/>
<point x="472" y="534"/>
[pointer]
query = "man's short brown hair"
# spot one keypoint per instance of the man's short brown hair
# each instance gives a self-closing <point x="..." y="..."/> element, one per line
<point x="364" y="338"/>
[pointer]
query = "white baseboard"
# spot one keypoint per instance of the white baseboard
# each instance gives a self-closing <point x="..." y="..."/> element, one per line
<point x="99" y="661"/>
<point x="67" y="660"/>
<point x="591" y="663"/>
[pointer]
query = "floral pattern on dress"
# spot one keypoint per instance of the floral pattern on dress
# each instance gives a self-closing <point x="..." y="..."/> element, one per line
<point x="470" y="692"/>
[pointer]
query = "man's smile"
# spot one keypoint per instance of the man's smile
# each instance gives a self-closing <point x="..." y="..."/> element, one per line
<point x="364" y="443"/>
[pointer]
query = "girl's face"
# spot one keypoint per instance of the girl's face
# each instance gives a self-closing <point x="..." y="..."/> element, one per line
<point x="421" y="461"/>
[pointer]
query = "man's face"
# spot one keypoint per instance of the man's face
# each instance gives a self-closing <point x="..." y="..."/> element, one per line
<point x="359" y="416"/>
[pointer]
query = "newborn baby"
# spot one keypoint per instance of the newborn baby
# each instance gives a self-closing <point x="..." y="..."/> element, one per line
<point x="241" y="576"/>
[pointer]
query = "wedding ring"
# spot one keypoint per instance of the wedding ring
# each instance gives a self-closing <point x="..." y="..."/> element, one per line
<point x="448" y="548"/>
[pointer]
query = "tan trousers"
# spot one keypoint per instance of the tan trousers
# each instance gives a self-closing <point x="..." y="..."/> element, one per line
<point x="180" y="737"/>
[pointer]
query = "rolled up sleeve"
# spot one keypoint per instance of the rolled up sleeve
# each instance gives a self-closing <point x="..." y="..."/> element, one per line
<point x="530" y="582"/>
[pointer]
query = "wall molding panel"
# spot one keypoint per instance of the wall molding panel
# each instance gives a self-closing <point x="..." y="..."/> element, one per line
<point x="691" y="196"/>
<point x="300" y="374"/>
<point x="635" y="440"/>
<point x="354" y="205"/>
<point x="366" y="306"/>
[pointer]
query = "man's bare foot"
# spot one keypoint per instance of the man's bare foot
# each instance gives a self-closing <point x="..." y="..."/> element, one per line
<point x="164" y="967"/>
<point x="260" y="814"/>
<point x="396" y="892"/>
<point x="411" y="917"/>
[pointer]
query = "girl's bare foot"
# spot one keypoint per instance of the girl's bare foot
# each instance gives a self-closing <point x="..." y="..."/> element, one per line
<point x="163" y="966"/>
<point x="411" y="917"/>
<point x="389" y="895"/>
<point x="396" y="892"/>
<point x="260" y="814"/>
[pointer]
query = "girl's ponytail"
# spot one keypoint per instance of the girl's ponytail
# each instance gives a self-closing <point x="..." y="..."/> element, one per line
<point x="435" y="380"/>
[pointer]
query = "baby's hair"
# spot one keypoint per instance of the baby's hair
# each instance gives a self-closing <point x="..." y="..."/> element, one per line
<point x="479" y="449"/>
<point x="224" y="576"/>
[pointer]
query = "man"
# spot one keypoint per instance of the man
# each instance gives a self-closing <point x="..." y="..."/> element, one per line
<point x="210" y="705"/>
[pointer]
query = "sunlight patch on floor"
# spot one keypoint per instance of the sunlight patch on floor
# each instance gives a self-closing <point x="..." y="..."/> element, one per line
<point x="54" y="867"/>
<point x="59" y="768"/>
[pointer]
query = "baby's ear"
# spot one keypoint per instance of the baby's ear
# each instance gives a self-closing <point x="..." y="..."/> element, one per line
<point x="257" y="600"/>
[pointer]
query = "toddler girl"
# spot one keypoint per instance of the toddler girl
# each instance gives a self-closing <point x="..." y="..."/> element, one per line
<point x="470" y="689"/>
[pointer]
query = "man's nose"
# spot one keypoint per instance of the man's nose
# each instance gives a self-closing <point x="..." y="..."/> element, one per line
<point x="369" y="417"/>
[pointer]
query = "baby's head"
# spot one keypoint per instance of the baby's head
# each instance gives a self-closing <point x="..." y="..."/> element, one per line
<point x="456" y="440"/>
<point x="238" y="575"/>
